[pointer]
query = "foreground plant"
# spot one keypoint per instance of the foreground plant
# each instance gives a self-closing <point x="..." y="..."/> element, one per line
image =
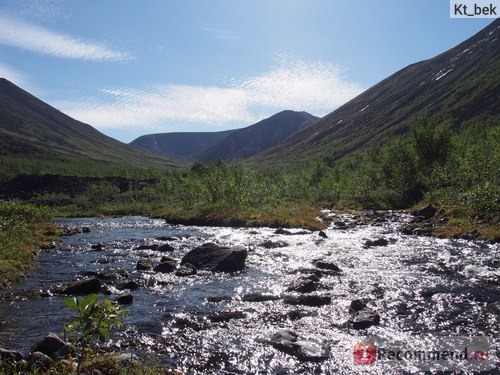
<point x="93" y="320"/>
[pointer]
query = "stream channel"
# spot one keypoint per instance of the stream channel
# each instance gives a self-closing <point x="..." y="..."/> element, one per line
<point x="428" y="293"/>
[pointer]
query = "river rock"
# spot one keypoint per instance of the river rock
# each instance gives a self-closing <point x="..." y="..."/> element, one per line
<point x="81" y="287"/>
<point x="97" y="247"/>
<point x="10" y="356"/>
<point x="308" y="300"/>
<point x="322" y="234"/>
<point x="304" y="285"/>
<point x="165" y="267"/>
<point x="427" y="212"/>
<point x="167" y="258"/>
<point x="362" y="316"/>
<point x="186" y="270"/>
<point x="40" y="360"/>
<point x="144" y="265"/>
<point x="147" y="247"/>
<point x="113" y="274"/>
<point x="377" y="242"/>
<point x="53" y="346"/>
<point x="215" y="258"/>
<point x="130" y="285"/>
<point x="259" y="297"/>
<point x="165" y="247"/>
<point x="329" y="266"/>
<point x="269" y="244"/>
<point x="226" y="316"/>
<point x="125" y="299"/>
<point x="305" y="350"/>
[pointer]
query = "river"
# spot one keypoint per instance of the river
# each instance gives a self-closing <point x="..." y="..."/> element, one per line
<point x="425" y="290"/>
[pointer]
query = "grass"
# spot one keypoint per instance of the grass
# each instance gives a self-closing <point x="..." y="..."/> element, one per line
<point x="299" y="215"/>
<point x="24" y="228"/>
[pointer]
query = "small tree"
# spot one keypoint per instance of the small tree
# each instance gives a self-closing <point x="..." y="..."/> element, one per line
<point x="93" y="320"/>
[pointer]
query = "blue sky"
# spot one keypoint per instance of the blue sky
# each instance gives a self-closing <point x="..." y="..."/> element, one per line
<point x="133" y="67"/>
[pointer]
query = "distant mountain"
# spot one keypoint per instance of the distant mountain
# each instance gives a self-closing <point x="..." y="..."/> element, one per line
<point x="460" y="85"/>
<point x="261" y="136"/>
<point x="183" y="145"/>
<point x="31" y="128"/>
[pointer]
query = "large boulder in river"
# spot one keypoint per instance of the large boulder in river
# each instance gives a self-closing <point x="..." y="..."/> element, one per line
<point x="81" y="287"/>
<point x="305" y="350"/>
<point x="215" y="258"/>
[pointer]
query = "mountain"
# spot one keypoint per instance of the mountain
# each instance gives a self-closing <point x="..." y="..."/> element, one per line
<point x="461" y="85"/>
<point x="182" y="145"/>
<point x="261" y="136"/>
<point x="31" y="128"/>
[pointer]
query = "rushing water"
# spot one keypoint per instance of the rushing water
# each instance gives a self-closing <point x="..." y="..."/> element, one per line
<point x="424" y="289"/>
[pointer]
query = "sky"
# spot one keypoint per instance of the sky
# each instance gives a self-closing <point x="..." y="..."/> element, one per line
<point x="135" y="67"/>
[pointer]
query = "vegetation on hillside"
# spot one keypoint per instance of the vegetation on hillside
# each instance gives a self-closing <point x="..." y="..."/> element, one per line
<point x="457" y="170"/>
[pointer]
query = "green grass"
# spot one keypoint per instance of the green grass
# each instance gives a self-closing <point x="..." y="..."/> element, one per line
<point x="23" y="229"/>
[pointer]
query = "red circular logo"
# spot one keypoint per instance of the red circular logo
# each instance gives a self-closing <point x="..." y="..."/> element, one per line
<point x="365" y="353"/>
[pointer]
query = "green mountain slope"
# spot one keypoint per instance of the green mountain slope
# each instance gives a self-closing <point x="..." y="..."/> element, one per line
<point x="30" y="128"/>
<point x="459" y="86"/>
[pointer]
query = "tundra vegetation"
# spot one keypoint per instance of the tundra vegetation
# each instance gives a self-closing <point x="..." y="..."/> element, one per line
<point x="454" y="169"/>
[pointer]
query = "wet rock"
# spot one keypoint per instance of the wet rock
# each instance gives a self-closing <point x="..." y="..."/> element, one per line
<point x="85" y="230"/>
<point x="113" y="274"/>
<point x="215" y="258"/>
<point x="259" y="297"/>
<point x="305" y="350"/>
<point x="322" y="234"/>
<point x="340" y="224"/>
<point x="130" y="285"/>
<point x="186" y="270"/>
<point x="290" y="233"/>
<point x="427" y="212"/>
<point x="125" y="299"/>
<point x="167" y="238"/>
<point x="362" y="316"/>
<point x="377" y="242"/>
<point x="304" y="285"/>
<point x="308" y="300"/>
<point x="10" y="356"/>
<point x="97" y="246"/>
<point x="53" y="346"/>
<point x="299" y="314"/>
<point x="324" y="265"/>
<point x="147" y="247"/>
<point x="144" y="265"/>
<point x="166" y="247"/>
<point x="226" y="316"/>
<point x="273" y="244"/>
<point x="406" y="230"/>
<point x="165" y="267"/>
<point x="167" y="258"/>
<point x="81" y="287"/>
<point x="40" y="360"/>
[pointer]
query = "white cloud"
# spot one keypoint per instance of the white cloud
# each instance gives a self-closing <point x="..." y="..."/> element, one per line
<point x="314" y="87"/>
<point x="34" y="38"/>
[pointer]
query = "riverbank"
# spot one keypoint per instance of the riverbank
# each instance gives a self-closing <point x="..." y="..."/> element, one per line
<point x="25" y="229"/>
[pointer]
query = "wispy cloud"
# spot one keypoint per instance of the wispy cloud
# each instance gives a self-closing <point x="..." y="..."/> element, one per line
<point x="315" y="87"/>
<point x="220" y="32"/>
<point x="20" y="34"/>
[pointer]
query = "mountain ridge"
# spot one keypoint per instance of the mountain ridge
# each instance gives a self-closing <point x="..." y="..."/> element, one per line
<point x="458" y="85"/>
<point x="29" y="126"/>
